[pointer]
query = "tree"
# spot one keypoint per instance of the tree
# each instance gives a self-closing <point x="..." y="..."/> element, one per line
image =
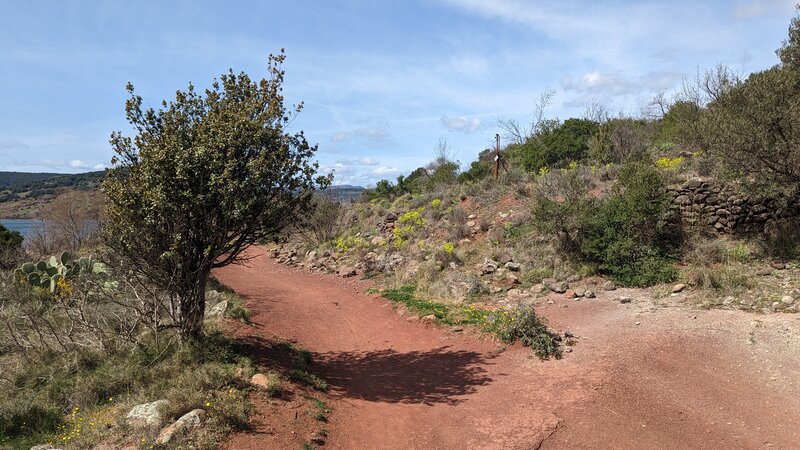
<point x="10" y="246"/>
<point x="205" y="177"/>
<point x="556" y="144"/>
<point x="754" y="126"/>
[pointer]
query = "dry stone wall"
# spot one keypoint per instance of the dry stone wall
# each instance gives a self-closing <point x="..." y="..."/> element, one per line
<point x="706" y="204"/>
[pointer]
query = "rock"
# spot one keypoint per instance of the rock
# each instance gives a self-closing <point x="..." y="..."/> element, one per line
<point x="513" y="294"/>
<point x="559" y="288"/>
<point x="728" y="300"/>
<point x="512" y="266"/>
<point x="787" y="299"/>
<point x="568" y="334"/>
<point x="430" y="318"/>
<point x="186" y="423"/>
<point x="574" y="278"/>
<point x="589" y="294"/>
<point x="146" y="415"/>
<point x="550" y="302"/>
<point x="472" y="217"/>
<point x="763" y="272"/>
<point x="778" y="265"/>
<point x="217" y="311"/>
<point x="795" y="293"/>
<point x="678" y="288"/>
<point x="347" y="271"/>
<point x="624" y="299"/>
<point x="259" y="379"/>
<point x="505" y="258"/>
<point x="609" y="286"/>
<point x="44" y="447"/>
<point x="471" y="223"/>
<point x="378" y="241"/>
<point x="580" y="292"/>
<point x="570" y="294"/>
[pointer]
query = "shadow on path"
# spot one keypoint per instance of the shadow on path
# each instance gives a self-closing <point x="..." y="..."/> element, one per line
<point x="438" y="375"/>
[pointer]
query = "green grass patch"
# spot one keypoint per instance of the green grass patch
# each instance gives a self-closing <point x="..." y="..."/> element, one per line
<point x="520" y="324"/>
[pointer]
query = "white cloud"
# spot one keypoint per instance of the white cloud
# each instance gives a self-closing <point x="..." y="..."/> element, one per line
<point x="461" y="123"/>
<point x="374" y="132"/>
<point x="385" y="170"/>
<point x="757" y="8"/>
<point x="78" y="164"/>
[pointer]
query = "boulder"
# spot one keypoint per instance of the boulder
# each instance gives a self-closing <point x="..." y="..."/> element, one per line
<point x="678" y="288"/>
<point x="430" y="318"/>
<point x="512" y="266"/>
<point x="624" y="299"/>
<point x="147" y="415"/>
<point x="787" y="299"/>
<point x="559" y="287"/>
<point x="609" y="286"/>
<point x="186" y="423"/>
<point x="589" y="294"/>
<point x="347" y="271"/>
<point x="778" y="265"/>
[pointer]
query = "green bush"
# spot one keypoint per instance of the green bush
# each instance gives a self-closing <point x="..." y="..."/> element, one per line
<point x="629" y="236"/>
<point x="523" y="325"/>
<point x="556" y="144"/>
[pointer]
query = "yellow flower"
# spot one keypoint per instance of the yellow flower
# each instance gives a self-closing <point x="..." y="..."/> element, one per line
<point x="208" y="404"/>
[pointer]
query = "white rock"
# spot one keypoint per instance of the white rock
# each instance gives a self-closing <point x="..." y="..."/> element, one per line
<point x="218" y="310"/>
<point x="146" y="415"/>
<point x="787" y="299"/>
<point x="186" y="423"/>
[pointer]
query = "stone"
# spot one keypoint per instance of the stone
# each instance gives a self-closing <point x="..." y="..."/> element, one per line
<point x="778" y="265"/>
<point x="186" y="423"/>
<point x="471" y="223"/>
<point x="378" y="241"/>
<point x="763" y="272"/>
<point x="624" y="299"/>
<point x="787" y="299"/>
<point x="559" y="288"/>
<point x="347" y="271"/>
<point x="513" y="294"/>
<point x="217" y="311"/>
<point x="505" y="258"/>
<point x="146" y="415"/>
<point x="512" y="266"/>
<point x="259" y="379"/>
<point x="728" y="300"/>
<point x="580" y="292"/>
<point x="609" y="286"/>
<point x="678" y="288"/>
<point x="430" y="318"/>
<point x="574" y="278"/>
<point x="589" y="294"/>
<point x="472" y="217"/>
<point x="570" y="294"/>
<point x="44" y="447"/>
<point x="683" y="199"/>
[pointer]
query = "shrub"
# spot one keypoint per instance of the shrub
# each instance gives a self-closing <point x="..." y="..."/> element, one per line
<point x="524" y="325"/>
<point x="629" y="236"/>
<point x="555" y="145"/>
<point x="10" y="247"/>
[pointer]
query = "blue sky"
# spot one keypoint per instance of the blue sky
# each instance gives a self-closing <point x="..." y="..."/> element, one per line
<point x="382" y="81"/>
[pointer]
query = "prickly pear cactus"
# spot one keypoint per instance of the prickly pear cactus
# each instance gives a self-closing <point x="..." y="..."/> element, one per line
<point x="47" y="273"/>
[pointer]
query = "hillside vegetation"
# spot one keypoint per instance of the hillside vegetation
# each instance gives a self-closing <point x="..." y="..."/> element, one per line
<point x="697" y="197"/>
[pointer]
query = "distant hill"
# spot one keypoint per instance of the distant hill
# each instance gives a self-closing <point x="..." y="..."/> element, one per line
<point x="15" y="186"/>
<point x="22" y="193"/>
<point x="344" y="192"/>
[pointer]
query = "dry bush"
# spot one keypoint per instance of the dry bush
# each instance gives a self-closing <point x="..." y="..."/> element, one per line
<point x="328" y="221"/>
<point x="70" y="222"/>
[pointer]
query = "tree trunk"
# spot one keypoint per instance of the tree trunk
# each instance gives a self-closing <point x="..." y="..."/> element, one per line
<point x="193" y="307"/>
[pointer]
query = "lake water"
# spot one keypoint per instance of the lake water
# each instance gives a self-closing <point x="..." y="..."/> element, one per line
<point x="24" y="226"/>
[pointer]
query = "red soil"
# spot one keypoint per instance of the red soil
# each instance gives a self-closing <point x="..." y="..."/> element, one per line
<point x="680" y="379"/>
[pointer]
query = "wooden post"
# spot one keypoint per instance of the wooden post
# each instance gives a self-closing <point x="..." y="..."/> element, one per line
<point x="497" y="156"/>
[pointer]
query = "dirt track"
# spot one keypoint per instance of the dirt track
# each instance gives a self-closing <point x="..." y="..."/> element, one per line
<point x="680" y="379"/>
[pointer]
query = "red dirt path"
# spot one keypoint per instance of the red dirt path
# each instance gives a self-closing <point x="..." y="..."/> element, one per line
<point x="681" y="379"/>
